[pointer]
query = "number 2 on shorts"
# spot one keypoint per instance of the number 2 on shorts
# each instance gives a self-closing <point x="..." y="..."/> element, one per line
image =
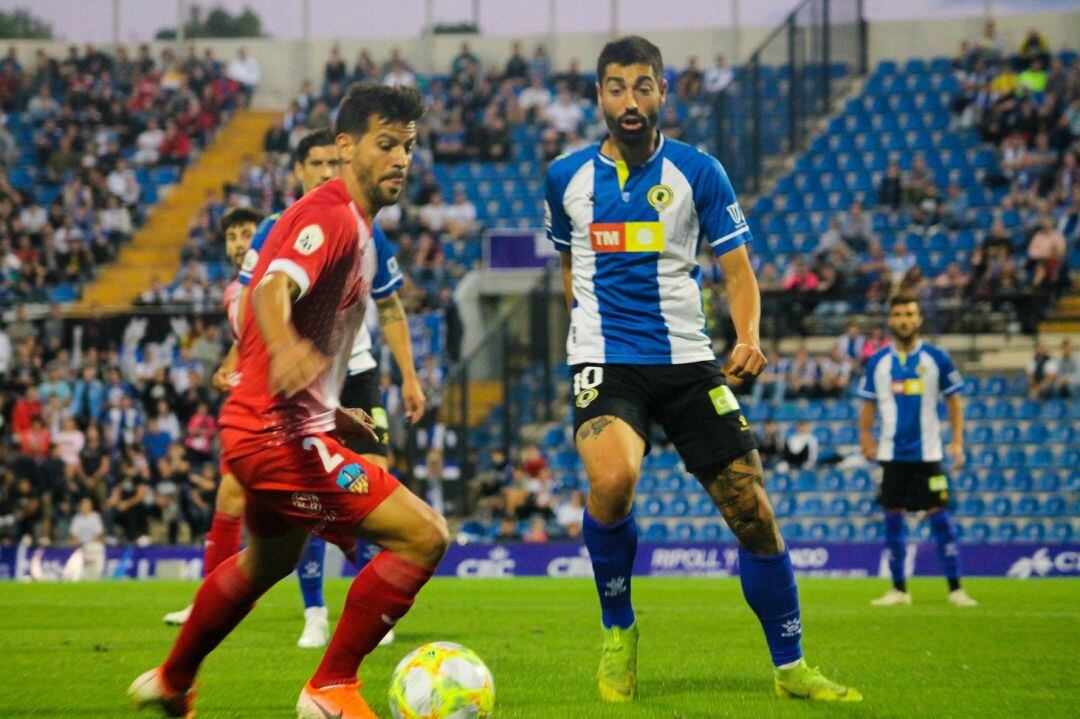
<point x="330" y="462"/>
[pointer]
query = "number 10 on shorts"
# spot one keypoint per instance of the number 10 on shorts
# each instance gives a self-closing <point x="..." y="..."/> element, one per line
<point x="585" y="383"/>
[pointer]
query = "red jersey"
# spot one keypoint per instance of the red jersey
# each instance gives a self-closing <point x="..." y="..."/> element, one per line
<point x="231" y="300"/>
<point x="323" y="243"/>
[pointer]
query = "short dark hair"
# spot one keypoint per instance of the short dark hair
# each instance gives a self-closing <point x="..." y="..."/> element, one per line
<point x="319" y="138"/>
<point x="390" y="103"/>
<point x="239" y="216"/>
<point x="902" y="299"/>
<point x="628" y="51"/>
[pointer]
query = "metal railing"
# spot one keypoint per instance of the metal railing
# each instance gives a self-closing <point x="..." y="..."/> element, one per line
<point x="788" y="84"/>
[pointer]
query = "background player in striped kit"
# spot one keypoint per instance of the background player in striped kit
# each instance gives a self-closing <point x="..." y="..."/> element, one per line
<point x="905" y="383"/>
<point x="628" y="216"/>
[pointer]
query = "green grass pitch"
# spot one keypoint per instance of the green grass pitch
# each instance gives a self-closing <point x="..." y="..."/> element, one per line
<point x="70" y="650"/>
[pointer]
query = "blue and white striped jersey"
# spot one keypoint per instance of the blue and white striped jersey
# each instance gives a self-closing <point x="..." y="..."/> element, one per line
<point x="388" y="278"/>
<point x="633" y="235"/>
<point x="908" y="389"/>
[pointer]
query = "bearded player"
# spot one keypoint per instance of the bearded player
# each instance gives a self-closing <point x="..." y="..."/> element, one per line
<point x="629" y="216"/>
<point x="282" y="427"/>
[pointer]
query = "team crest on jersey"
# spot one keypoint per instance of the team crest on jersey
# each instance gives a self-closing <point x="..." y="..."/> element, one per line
<point x="660" y="196"/>
<point x="736" y="213"/>
<point x="251" y="258"/>
<point x="353" y="478"/>
<point x="310" y="239"/>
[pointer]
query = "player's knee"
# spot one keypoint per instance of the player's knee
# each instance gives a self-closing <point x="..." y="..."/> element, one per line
<point x="230" y="497"/>
<point x="430" y="540"/>
<point x="611" y="497"/>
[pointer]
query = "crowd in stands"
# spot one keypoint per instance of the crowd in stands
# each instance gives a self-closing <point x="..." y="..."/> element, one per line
<point x="1027" y="104"/>
<point x="79" y="141"/>
<point x="120" y="415"/>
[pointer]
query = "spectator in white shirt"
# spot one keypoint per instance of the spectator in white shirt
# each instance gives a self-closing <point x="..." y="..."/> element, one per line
<point x="569" y="512"/>
<point x="1042" y="373"/>
<point x="718" y="76"/>
<point x="399" y="75"/>
<point x="565" y="114"/>
<point x="800" y="448"/>
<point x="6" y="351"/>
<point x="115" y="219"/>
<point x="433" y="216"/>
<point x="33" y="218"/>
<point x="535" y="97"/>
<point x="148" y="144"/>
<point x="122" y="183"/>
<point x="1068" y="370"/>
<point x="87" y="532"/>
<point x="460" y="217"/>
<point x="70" y="440"/>
<point x="188" y="292"/>
<point x="245" y="70"/>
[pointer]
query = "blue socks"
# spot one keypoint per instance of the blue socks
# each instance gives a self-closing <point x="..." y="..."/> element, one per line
<point x="945" y="535"/>
<point x="310" y="572"/>
<point x="612" y="548"/>
<point x="768" y="583"/>
<point x="896" y="544"/>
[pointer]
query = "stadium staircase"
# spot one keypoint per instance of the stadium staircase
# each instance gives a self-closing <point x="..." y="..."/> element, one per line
<point x="155" y="249"/>
<point x="1065" y="317"/>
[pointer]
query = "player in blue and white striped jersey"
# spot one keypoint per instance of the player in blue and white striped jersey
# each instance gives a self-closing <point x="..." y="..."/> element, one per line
<point x="905" y="383"/>
<point x="629" y="216"/>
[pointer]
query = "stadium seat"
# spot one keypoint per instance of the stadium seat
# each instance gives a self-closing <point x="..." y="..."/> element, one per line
<point x="1006" y="532"/>
<point x="1047" y="481"/>
<point x="834" y="481"/>
<point x="807" y="481"/>
<point x="678" y="507"/>
<point x="861" y="481"/>
<point x="685" y="532"/>
<point x="652" y="507"/>
<point x="792" y="531"/>
<point x="656" y="532"/>
<point x="994" y="481"/>
<point x="1053" y="507"/>
<point x="871" y="532"/>
<point x="818" y="532"/>
<point x="778" y="482"/>
<point x="1062" y="532"/>
<point x="712" y="532"/>
<point x="1001" y="507"/>
<point x="1027" y="507"/>
<point x="811" y="507"/>
<point x="1008" y="434"/>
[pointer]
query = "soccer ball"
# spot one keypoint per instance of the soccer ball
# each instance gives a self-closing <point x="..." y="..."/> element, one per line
<point x="442" y="680"/>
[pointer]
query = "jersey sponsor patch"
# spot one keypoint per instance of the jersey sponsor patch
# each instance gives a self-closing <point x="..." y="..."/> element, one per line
<point x="251" y="258"/>
<point x="310" y="239"/>
<point x="627" y="236"/>
<point x="723" y="399"/>
<point x="908" y="387"/>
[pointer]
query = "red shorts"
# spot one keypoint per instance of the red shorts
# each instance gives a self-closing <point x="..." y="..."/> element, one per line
<point x="312" y="482"/>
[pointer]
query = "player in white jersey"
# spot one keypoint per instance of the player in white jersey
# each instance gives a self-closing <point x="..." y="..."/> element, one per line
<point x="905" y="383"/>
<point x="629" y="216"/>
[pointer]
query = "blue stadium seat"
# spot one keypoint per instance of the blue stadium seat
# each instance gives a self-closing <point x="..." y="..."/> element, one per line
<point x="1041" y="457"/>
<point x="792" y="530"/>
<point x="652" y="507"/>
<point x="834" y="481"/>
<point x="1028" y="506"/>
<point x="1033" y="532"/>
<point x="982" y="434"/>
<point x="807" y="481"/>
<point x="994" y="481"/>
<point x="871" y="532"/>
<point x="704" y="507"/>
<point x="1015" y="457"/>
<point x="860" y="481"/>
<point x="1006" y="532"/>
<point x="555" y="438"/>
<point x="656" y="532"/>
<point x="811" y="507"/>
<point x="865" y="507"/>
<point x="712" y="532"/>
<point x="1047" y="481"/>
<point x="1063" y="432"/>
<point x="677" y="507"/>
<point x="1021" y="481"/>
<point x="967" y="481"/>
<point x="988" y="458"/>
<point x="971" y="507"/>
<point x="818" y="532"/>
<point x="647" y="484"/>
<point x="675" y="482"/>
<point x="839" y="507"/>
<point x="1062" y="532"/>
<point x="785" y="507"/>
<point x="1001" y="507"/>
<point x="685" y="532"/>
<point x="1053" y="507"/>
<point x="566" y="459"/>
<point x="778" y="482"/>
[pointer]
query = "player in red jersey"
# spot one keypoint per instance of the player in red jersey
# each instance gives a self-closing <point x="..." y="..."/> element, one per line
<point x="282" y="426"/>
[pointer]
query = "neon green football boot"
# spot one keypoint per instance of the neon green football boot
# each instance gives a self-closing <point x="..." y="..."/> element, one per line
<point x="804" y="682"/>
<point x="617" y="676"/>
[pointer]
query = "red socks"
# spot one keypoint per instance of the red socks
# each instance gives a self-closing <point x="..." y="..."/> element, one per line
<point x="222" y="541"/>
<point x="379" y="596"/>
<point x="223" y="600"/>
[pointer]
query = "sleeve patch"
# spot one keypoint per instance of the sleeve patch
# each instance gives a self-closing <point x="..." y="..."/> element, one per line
<point x="392" y="266"/>
<point x="310" y="239"/>
<point x="736" y="214"/>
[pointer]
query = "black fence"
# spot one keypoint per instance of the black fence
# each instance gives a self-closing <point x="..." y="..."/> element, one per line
<point x="787" y="85"/>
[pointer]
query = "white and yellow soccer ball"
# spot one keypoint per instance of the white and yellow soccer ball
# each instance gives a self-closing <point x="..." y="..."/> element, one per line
<point x="442" y="680"/>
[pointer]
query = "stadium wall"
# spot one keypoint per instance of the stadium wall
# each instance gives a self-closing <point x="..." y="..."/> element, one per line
<point x="558" y="560"/>
<point x="283" y="62"/>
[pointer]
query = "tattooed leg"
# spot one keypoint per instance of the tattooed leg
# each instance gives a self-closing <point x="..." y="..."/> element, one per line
<point x="611" y="451"/>
<point x="738" y="489"/>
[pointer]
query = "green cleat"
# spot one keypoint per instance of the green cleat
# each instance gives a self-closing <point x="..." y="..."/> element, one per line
<point x="803" y="682"/>
<point x="617" y="676"/>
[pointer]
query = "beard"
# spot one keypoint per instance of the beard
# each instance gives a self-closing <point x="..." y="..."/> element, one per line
<point x="378" y="195"/>
<point x="640" y="135"/>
